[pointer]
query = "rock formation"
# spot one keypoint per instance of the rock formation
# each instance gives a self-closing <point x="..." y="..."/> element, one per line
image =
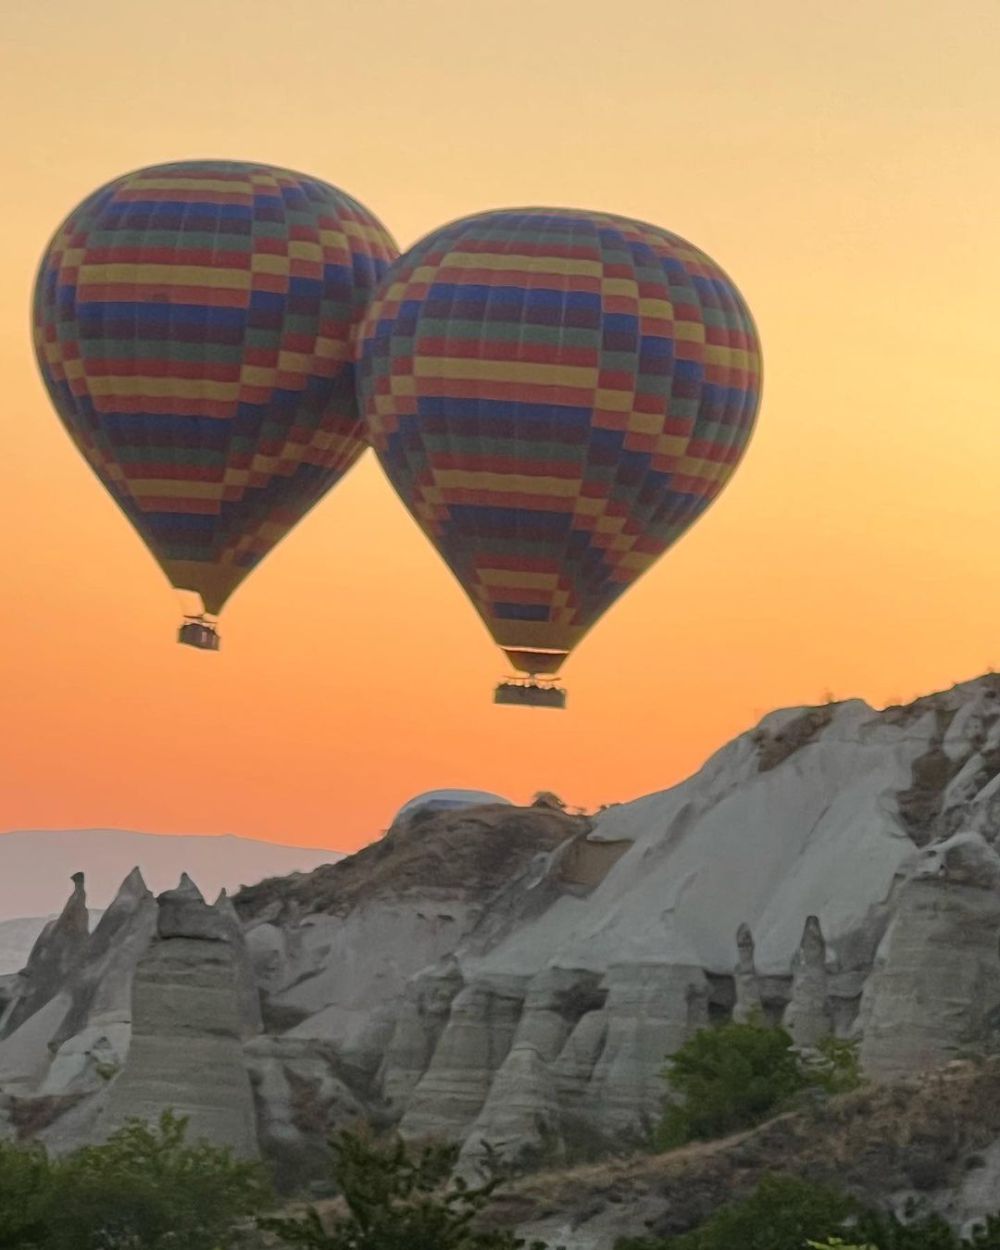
<point x="747" y="1005"/>
<point x="646" y="1015"/>
<point x="510" y="978"/>
<point x="186" y="1050"/>
<point x="418" y="1028"/>
<point x="522" y="1113"/>
<point x="807" y="1017"/>
<point x="58" y="950"/>
<point x="481" y="1026"/>
<point x="935" y="989"/>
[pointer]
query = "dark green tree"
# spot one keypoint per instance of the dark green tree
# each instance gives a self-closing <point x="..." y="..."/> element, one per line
<point x="396" y="1199"/>
<point x="147" y="1189"/>
<point x="728" y="1078"/>
<point x="25" y="1191"/>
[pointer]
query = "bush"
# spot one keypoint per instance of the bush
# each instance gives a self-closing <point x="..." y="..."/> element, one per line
<point x="142" y="1190"/>
<point x="835" y="1243"/>
<point x="733" y="1076"/>
<point x="786" y="1213"/>
<point x="783" y="1213"/>
<point x="396" y="1200"/>
<point x="835" y="1068"/>
<point x="730" y="1078"/>
<point x="25" y="1185"/>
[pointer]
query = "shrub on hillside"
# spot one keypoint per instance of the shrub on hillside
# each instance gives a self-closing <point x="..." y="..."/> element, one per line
<point x="144" y="1189"/>
<point x="782" y="1214"/>
<point x="731" y="1077"/>
<point x="833" y="1068"/>
<point x="396" y="1199"/>
<point x="728" y="1078"/>
<point x="25" y="1186"/>
<point x="788" y="1213"/>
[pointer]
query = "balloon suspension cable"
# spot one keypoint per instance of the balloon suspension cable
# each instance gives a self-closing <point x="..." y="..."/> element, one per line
<point x="199" y="632"/>
<point x="530" y="691"/>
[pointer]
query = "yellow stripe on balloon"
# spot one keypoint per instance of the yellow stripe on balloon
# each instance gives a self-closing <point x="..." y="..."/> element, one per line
<point x="226" y="186"/>
<point x="568" y="265"/>
<point x="268" y="262"/>
<point x="330" y="349"/>
<point x="258" y="375"/>
<point x="294" y="362"/>
<point x="159" y="388"/>
<point x="734" y="357"/>
<point x="523" y="578"/>
<point x="614" y="401"/>
<point x="165" y="275"/>
<point x="468" y="369"/>
<point x="660" y="309"/>
<point x="166" y="488"/>
<point x="302" y="249"/>
<point x="506" y="483"/>
<point x="619" y="286"/>
<point x="689" y="331"/>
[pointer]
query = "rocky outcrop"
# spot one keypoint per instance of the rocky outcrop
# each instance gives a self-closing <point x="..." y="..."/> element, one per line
<point x="417" y="1031"/>
<point x="92" y="1040"/>
<point x="58" y="950"/>
<point x="748" y="1004"/>
<point x="510" y="978"/>
<point x="246" y="983"/>
<point x="301" y="1098"/>
<point x="935" y="989"/>
<point x="186" y="1050"/>
<point x="646" y="1014"/>
<point x="481" y="1027"/>
<point x="807" y="1017"/>
<point x="522" y="1114"/>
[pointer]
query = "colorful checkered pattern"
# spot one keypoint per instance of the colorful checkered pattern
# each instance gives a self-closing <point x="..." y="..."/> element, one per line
<point x="556" y="396"/>
<point x="193" y="326"/>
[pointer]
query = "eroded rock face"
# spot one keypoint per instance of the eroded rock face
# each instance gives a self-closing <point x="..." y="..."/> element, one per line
<point x="249" y="994"/>
<point x="92" y="1040"/>
<point x="522" y="1112"/>
<point x="417" y="1031"/>
<point x="301" y="1098"/>
<point x="936" y="984"/>
<point x="647" y="1017"/>
<point x="481" y="1026"/>
<point x="186" y="1051"/>
<point x="58" y="950"/>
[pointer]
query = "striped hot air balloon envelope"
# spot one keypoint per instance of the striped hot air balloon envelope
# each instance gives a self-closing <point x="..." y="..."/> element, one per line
<point x="557" y="396"/>
<point x="193" y="323"/>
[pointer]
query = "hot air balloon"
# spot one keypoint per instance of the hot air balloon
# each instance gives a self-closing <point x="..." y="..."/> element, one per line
<point x="556" y="395"/>
<point x="193" y="325"/>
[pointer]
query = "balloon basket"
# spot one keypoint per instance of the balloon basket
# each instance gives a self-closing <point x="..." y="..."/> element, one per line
<point x="199" y="633"/>
<point x="528" y="693"/>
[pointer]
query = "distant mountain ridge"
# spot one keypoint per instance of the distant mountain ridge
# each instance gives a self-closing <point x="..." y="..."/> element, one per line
<point x="35" y="865"/>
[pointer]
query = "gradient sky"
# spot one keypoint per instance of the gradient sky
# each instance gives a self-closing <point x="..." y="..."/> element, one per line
<point x="839" y="161"/>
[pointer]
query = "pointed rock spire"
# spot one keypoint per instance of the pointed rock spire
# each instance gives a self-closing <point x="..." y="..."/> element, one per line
<point x="183" y="913"/>
<point x="807" y="1017"/>
<point x="748" y="1002"/>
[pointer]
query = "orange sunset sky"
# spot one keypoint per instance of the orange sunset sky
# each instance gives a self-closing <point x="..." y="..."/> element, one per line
<point x="840" y="161"/>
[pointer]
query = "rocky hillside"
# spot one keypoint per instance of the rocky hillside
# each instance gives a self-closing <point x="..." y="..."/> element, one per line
<point x="513" y="978"/>
<point x="929" y="1143"/>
